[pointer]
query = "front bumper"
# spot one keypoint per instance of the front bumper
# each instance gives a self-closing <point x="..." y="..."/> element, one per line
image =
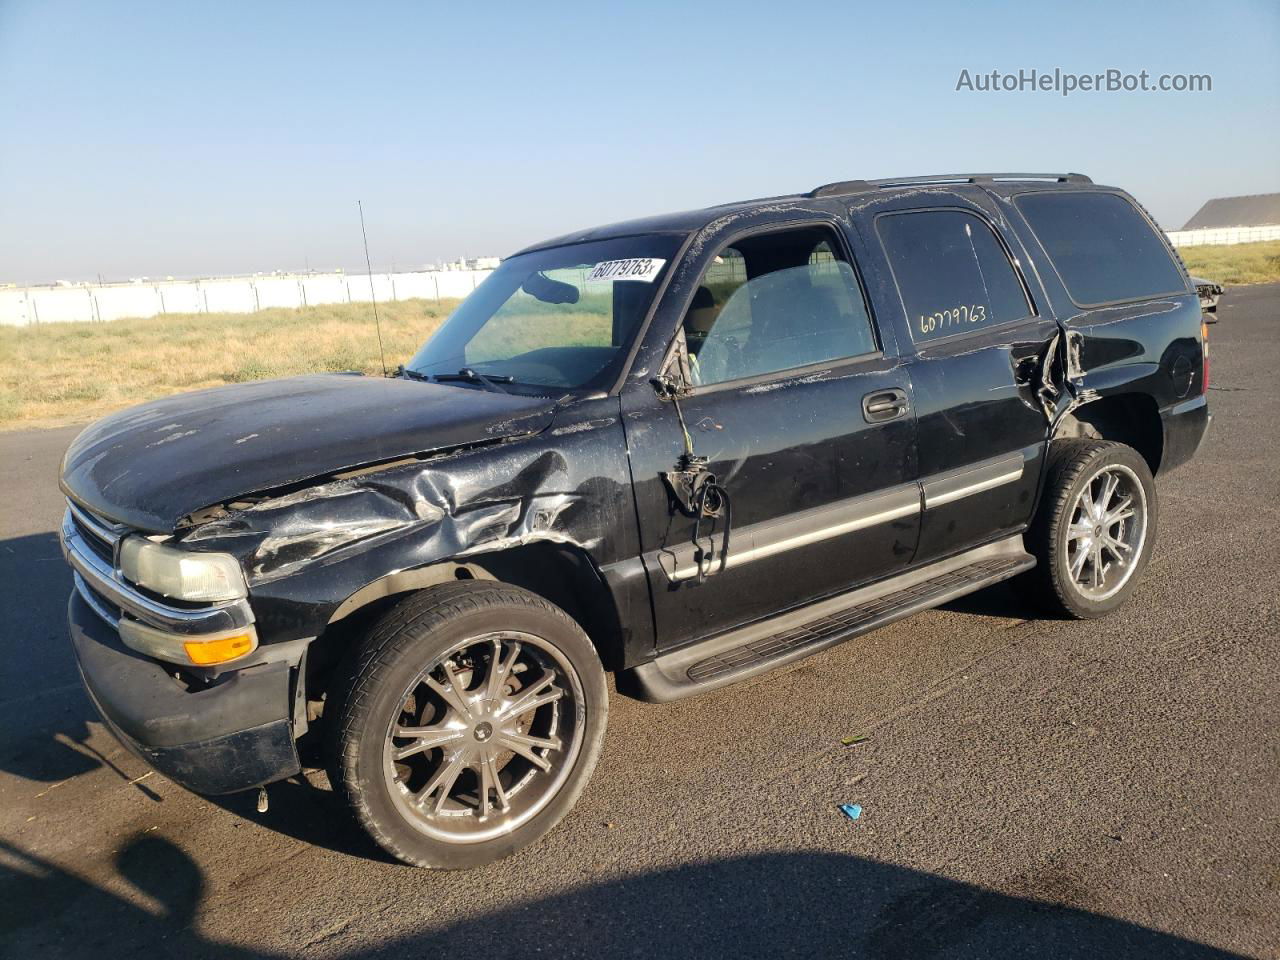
<point x="222" y="731"/>
<point x="231" y="735"/>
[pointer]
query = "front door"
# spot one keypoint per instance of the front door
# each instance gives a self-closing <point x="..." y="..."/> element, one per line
<point x="806" y="423"/>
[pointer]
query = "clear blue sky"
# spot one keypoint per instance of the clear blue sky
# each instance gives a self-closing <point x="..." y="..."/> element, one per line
<point x="188" y="139"/>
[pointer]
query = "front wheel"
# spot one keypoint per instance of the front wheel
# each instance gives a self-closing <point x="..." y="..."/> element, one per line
<point x="1095" y="528"/>
<point x="468" y="724"/>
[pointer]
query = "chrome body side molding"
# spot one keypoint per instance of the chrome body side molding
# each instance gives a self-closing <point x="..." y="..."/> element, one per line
<point x="944" y="488"/>
<point x="770" y="537"/>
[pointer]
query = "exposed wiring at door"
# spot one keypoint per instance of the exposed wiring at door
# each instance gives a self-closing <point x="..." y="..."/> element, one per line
<point x="713" y="500"/>
<point x="693" y="487"/>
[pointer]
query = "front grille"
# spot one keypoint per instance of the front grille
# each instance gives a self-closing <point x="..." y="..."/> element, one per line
<point x="99" y="535"/>
<point x="93" y="541"/>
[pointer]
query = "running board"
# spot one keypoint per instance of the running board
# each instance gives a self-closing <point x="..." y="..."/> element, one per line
<point x="759" y="647"/>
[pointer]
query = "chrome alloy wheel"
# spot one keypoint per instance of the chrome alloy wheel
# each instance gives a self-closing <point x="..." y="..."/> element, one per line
<point x="485" y="737"/>
<point x="1108" y="528"/>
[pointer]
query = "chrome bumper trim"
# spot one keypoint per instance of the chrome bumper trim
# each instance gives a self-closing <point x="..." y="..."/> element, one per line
<point x="97" y="582"/>
<point x="95" y="603"/>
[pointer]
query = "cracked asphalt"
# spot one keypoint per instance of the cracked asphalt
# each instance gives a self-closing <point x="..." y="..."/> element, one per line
<point x="1029" y="788"/>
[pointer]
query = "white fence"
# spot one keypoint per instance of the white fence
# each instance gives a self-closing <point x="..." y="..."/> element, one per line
<point x="1222" y="235"/>
<point x="22" y="306"/>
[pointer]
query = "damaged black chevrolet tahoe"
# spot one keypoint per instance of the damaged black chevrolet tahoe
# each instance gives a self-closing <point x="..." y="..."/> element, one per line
<point x="686" y="450"/>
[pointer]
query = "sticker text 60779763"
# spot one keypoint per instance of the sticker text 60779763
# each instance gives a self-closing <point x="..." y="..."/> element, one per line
<point x="636" y="268"/>
<point x="952" y="318"/>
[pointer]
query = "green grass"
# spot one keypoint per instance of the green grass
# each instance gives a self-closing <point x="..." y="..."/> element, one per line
<point x="1235" y="264"/>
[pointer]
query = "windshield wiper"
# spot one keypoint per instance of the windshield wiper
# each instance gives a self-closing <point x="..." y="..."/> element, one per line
<point x="471" y="375"/>
<point x="403" y="371"/>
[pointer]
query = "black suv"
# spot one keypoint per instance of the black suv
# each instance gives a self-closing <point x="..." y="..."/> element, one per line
<point x="686" y="449"/>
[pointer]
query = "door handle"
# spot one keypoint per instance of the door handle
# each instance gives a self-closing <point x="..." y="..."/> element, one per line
<point x="885" y="405"/>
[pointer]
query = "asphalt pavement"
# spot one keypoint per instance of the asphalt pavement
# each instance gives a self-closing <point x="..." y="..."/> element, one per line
<point x="1029" y="788"/>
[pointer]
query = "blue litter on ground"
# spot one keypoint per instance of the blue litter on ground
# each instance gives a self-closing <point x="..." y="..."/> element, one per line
<point x="851" y="810"/>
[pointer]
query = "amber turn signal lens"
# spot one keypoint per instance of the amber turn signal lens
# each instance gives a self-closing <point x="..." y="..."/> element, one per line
<point x="207" y="653"/>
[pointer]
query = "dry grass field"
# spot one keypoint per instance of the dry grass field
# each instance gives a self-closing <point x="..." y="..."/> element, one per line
<point x="59" y="373"/>
<point x="1235" y="264"/>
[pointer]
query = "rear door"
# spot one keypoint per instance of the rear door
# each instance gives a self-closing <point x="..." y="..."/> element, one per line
<point x="977" y="338"/>
<point x="804" y="419"/>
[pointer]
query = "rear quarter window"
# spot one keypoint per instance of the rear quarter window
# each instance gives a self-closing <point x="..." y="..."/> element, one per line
<point x="1104" y="250"/>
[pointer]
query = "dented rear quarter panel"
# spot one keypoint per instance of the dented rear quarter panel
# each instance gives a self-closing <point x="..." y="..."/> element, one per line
<point x="1149" y="346"/>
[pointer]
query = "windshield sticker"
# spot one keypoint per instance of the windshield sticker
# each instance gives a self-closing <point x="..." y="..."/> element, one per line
<point x="638" y="268"/>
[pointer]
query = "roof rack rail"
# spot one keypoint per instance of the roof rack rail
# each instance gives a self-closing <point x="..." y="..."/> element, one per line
<point x="980" y="178"/>
<point x="846" y="187"/>
<point x="840" y="188"/>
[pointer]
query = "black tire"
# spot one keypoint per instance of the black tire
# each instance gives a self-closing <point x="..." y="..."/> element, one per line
<point x="410" y="641"/>
<point x="1073" y="464"/>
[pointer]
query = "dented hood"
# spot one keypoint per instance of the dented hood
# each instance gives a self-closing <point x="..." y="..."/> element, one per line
<point x="151" y="465"/>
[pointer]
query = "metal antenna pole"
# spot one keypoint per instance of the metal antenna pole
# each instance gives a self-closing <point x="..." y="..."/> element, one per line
<point x="377" y="324"/>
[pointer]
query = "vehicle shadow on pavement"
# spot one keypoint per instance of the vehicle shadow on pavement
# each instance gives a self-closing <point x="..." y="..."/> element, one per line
<point x="794" y="904"/>
<point x="1006" y="600"/>
<point x="308" y="814"/>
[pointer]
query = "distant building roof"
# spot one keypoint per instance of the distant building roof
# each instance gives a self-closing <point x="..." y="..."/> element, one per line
<point x="1261" y="209"/>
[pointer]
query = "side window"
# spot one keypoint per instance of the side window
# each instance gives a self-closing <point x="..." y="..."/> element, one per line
<point x="1102" y="247"/>
<point x="952" y="273"/>
<point x="775" y="302"/>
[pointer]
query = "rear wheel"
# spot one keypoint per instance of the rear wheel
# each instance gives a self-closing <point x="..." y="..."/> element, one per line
<point x="1095" y="529"/>
<point x="469" y="723"/>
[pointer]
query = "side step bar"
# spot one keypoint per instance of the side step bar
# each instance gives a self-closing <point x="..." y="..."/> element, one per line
<point x="787" y="637"/>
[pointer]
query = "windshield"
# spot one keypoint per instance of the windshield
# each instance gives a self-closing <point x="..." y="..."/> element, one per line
<point x="563" y="317"/>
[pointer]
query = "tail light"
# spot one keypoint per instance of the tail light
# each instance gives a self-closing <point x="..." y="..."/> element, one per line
<point x="1204" y="346"/>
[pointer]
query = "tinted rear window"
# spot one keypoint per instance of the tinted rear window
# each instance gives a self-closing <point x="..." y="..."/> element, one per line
<point x="952" y="272"/>
<point x="1103" y="248"/>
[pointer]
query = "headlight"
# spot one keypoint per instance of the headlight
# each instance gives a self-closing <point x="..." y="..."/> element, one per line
<point x="182" y="574"/>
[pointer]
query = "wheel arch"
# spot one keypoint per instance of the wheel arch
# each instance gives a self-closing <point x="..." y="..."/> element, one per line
<point x="1129" y="418"/>
<point x="561" y="573"/>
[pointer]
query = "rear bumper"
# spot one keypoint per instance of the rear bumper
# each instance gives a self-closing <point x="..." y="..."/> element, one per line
<point x="1185" y="426"/>
<point x="232" y="735"/>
